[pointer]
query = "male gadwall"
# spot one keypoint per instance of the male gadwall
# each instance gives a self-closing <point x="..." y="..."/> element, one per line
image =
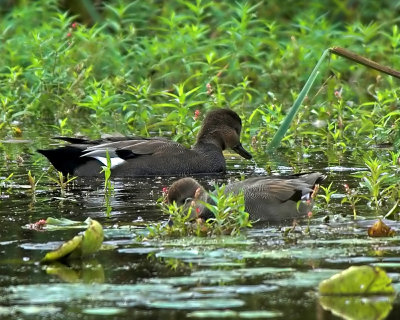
<point x="137" y="156"/>
<point x="270" y="199"/>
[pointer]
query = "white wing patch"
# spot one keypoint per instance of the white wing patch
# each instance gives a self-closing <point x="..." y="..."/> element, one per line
<point x="100" y="155"/>
<point x="115" y="162"/>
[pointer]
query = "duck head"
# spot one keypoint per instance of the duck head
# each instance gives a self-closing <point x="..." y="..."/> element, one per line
<point x="222" y="127"/>
<point x="188" y="192"/>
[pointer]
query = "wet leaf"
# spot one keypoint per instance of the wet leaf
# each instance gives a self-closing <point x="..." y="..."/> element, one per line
<point x="104" y="311"/>
<point x="64" y="250"/>
<point x="135" y="294"/>
<point x="92" y="239"/>
<point x="358" y="308"/>
<point x="197" y="304"/>
<point x="207" y="314"/>
<point x="380" y="229"/>
<point x="28" y="310"/>
<point x="363" y="280"/>
<point x="259" y="314"/>
<point x="80" y="245"/>
<point x="61" y="222"/>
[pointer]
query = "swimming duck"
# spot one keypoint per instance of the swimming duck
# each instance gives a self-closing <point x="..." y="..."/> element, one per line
<point x="270" y="199"/>
<point x="137" y="156"/>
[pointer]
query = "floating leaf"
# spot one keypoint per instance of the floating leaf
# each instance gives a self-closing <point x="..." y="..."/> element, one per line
<point x="64" y="250"/>
<point x="79" y="246"/>
<point x="363" y="280"/>
<point x="380" y="229"/>
<point x="207" y="314"/>
<point x="103" y="311"/>
<point x="197" y="304"/>
<point x="61" y="222"/>
<point x="358" y="308"/>
<point x="92" y="239"/>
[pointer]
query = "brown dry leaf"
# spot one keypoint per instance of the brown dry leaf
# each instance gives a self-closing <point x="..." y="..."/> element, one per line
<point x="380" y="229"/>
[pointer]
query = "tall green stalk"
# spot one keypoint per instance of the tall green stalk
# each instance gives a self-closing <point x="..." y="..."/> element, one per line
<point x="296" y="105"/>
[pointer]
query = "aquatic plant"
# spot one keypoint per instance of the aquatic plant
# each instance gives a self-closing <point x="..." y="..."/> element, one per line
<point x="62" y="181"/>
<point x="352" y="197"/>
<point x="230" y="217"/>
<point x="328" y="192"/>
<point x="375" y="180"/>
<point x="4" y="183"/>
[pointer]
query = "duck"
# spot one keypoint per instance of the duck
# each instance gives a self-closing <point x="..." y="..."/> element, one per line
<point x="158" y="156"/>
<point x="271" y="199"/>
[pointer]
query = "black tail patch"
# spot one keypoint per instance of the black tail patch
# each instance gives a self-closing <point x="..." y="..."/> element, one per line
<point x="65" y="159"/>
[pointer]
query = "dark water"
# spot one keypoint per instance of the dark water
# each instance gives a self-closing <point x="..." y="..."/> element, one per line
<point x="264" y="273"/>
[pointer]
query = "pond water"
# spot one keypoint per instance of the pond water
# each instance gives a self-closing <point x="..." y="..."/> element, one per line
<point x="264" y="273"/>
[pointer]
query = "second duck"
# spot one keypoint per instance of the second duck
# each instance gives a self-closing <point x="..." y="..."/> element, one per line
<point x="269" y="199"/>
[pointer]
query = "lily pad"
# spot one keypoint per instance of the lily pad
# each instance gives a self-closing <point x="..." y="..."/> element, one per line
<point x="360" y="280"/>
<point x="104" y="311"/>
<point x="61" y="222"/>
<point x="80" y="245"/>
<point x="197" y="304"/>
<point x="207" y="314"/>
<point x="358" y="308"/>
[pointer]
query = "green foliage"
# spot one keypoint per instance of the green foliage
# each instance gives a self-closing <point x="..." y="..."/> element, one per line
<point x="359" y="292"/>
<point x="147" y="66"/>
<point x="327" y="193"/>
<point x="79" y="246"/>
<point x="4" y="183"/>
<point x="62" y="181"/>
<point x="229" y="212"/>
<point x="358" y="280"/>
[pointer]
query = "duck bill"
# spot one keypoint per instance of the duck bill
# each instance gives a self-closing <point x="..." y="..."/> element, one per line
<point x="242" y="151"/>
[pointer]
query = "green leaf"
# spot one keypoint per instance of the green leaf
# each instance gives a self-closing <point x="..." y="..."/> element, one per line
<point x="92" y="239"/>
<point x="360" y="280"/>
<point x="61" y="222"/>
<point x="79" y="246"/>
<point x="64" y="250"/>
<point x="358" y="308"/>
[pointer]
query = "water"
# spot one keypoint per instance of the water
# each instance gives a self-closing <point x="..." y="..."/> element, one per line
<point x="265" y="273"/>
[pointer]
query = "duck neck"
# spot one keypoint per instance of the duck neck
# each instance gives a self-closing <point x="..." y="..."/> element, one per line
<point x="210" y="141"/>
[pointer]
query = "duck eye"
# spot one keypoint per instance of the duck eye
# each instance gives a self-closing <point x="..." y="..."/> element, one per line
<point x="187" y="200"/>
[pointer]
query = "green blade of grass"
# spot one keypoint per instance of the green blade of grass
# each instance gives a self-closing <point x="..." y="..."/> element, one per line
<point x="296" y="105"/>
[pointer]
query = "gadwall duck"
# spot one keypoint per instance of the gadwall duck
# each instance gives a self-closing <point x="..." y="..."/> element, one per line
<point x="270" y="199"/>
<point x="137" y="156"/>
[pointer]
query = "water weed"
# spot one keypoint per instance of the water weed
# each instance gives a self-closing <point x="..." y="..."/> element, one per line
<point x="229" y="217"/>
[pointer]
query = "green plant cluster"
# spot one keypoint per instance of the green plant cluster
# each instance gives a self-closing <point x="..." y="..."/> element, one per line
<point x="147" y="66"/>
<point x="230" y="217"/>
